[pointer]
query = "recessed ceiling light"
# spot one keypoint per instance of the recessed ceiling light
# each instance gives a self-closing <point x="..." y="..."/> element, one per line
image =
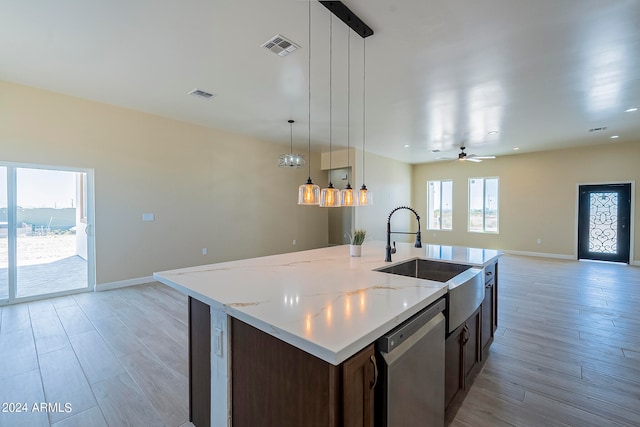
<point x="516" y="148"/>
<point x="406" y="146"/>
<point x="493" y="132"/>
<point x="615" y="136"/>
<point x="630" y="110"/>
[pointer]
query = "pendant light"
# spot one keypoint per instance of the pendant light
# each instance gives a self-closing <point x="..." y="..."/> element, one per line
<point x="309" y="193"/>
<point x="347" y="196"/>
<point x="365" y="197"/>
<point x="330" y="196"/>
<point x="291" y="160"/>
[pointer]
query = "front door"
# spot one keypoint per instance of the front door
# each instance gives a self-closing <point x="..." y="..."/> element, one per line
<point x="604" y="222"/>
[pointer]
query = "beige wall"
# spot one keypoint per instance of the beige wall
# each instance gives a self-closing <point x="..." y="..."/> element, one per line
<point x="187" y="175"/>
<point x="390" y="182"/>
<point x="538" y="195"/>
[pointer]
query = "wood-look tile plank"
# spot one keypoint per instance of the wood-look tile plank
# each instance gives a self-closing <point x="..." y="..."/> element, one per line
<point x="123" y="403"/>
<point x="24" y="388"/>
<point x="66" y="301"/>
<point x="42" y="308"/>
<point x="74" y="320"/>
<point x="162" y="387"/>
<point x="49" y="334"/>
<point x="17" y="353"/>
<point x="168" y="351"/>
<point x="15" y="317"/>
<point x="91" y="417"/>
<point x="97" y="360"/>
<point x="64" y="382"/>
<point x="118" y="336"/>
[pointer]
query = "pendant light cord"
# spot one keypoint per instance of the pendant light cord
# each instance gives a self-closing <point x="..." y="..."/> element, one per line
<point x="330" y="92"/>
<point x="348" y="103"/>
<point x="309" y="122"/>
<point x="364" y="90"/>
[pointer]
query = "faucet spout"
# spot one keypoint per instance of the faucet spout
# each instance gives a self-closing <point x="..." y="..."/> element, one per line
<point x="418" y="234"/>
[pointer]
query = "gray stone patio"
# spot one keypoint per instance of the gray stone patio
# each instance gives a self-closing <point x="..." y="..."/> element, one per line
<point x="62" y="275"/>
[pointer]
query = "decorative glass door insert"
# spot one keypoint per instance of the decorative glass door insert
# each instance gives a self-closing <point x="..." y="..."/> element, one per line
<point x="604" y="222"/>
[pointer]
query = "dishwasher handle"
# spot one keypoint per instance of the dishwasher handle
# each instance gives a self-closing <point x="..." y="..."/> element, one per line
<point x="398" y="335"/>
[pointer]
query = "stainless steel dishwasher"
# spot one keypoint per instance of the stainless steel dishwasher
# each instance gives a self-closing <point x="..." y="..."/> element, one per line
<point x="411" y="389"/>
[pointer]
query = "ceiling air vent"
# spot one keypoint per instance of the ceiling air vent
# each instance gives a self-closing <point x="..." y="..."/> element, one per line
<point x="598" y="129"/>
<point x="280" y="45"/>
<point x="201" y="94"/>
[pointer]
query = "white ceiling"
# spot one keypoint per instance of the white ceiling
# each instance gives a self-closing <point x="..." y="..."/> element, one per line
<point x="438" y="73"/>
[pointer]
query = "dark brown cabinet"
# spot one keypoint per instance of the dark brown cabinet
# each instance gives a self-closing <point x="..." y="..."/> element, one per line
<point x="276" y="384"/>
<point x="199" y="363"/>
<point x="359" y="377"/>
<point x="467" y="347"/>
<point x="489" y="309"/>
<point x="462" y="356"/>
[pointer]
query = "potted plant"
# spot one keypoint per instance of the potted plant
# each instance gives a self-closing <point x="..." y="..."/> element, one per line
<point x="357" y="238"/>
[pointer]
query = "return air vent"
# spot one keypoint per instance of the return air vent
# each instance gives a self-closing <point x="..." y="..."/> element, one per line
<point x="201" y="94"/>
<point x="280" y="45"/>
<point x="598" y="129"/>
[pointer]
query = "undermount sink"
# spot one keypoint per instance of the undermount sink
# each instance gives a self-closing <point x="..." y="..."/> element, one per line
<point x="465" y="284"/>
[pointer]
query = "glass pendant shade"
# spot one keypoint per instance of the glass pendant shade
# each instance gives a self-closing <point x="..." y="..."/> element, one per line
<point x="348" y="196"/>
<point x="309" y="193"/>
<point x="330" y="197"/>
<point x="365" y="197"/>
<point x="291" y="160"/>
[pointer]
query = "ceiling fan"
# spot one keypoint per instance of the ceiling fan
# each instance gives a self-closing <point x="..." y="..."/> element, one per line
<point x="464" y="157"/>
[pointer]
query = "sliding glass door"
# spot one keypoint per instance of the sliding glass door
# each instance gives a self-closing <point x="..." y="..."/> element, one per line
<point x="48" y="245"/>
<point x="4" y="236"/>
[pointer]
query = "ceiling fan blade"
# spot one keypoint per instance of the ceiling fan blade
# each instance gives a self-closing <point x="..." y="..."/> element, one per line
<point x="473" y="159"/>
<point x="485" y="157"/>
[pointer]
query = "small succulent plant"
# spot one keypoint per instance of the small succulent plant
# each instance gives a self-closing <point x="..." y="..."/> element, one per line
<point x="358" y="236"/>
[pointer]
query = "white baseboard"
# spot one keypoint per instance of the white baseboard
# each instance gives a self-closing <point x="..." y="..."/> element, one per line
<point x="542" y="255"/>
<point x="557" y="256"/>
<point x="123" y="283"/>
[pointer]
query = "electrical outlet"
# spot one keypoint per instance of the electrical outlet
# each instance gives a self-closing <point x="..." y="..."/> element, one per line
<point x="539" y="241"/>
<point x="148" y="217"/>
<point x="294" y="242"/>
<point x="217" y="342"/>
<point x="204" y="251"/>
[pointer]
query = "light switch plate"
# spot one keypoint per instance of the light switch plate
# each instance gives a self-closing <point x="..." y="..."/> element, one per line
<point x="148" y="217"/>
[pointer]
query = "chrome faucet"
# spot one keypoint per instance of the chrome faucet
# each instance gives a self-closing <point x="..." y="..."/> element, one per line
<point x="391" y="250"/>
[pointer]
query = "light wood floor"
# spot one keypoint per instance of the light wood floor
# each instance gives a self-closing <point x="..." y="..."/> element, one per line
<point x="119" y="358"/>
<point x="567" y="353"/>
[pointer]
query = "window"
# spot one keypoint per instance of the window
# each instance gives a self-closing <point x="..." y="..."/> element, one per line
<point x="483" y="205"/>
<point x="440" y="205"/>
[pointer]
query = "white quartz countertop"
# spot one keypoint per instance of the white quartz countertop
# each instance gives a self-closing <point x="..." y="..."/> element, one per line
<point x="322" y="301"/>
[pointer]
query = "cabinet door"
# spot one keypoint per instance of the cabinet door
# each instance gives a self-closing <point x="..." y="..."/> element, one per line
<point x="359" y="377"/>
<point x="453" y="378"/>
<point x="488" y="320"/>
<point x="199" y="363"/>
<point x="471" y="347"/>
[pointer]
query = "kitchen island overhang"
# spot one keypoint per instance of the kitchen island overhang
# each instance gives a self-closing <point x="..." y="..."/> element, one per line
<point x="321" y="301"/>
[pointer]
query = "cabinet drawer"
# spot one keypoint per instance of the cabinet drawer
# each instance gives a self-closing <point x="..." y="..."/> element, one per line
<point x="489" y="272"/>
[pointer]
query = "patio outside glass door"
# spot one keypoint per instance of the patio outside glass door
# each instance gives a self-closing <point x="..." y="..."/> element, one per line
<point x="48" y="234"/>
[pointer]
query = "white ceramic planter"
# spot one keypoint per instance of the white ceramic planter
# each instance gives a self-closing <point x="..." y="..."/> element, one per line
<point x="355" y="250"/>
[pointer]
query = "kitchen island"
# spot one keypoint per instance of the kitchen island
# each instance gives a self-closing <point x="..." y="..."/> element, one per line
<point x="321" y="306"/>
